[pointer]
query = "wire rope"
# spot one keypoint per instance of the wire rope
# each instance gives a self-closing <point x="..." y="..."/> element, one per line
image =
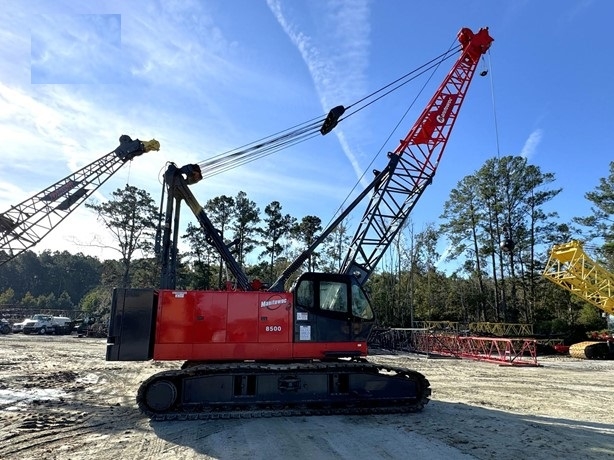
<point x="494" y="106"/>
<point x="309" y="129"/>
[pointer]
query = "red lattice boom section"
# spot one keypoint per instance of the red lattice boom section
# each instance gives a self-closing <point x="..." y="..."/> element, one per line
<point x="504" y="351"/>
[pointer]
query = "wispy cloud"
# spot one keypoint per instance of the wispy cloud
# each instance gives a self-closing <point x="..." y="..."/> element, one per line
<point x="577" y="8"/>
<point x="337" y="57"/>
<point x="184" y="49"/>
<point x="76" y="48"/>
<point x="442" y="258"/>
<point x="530" y="146"/>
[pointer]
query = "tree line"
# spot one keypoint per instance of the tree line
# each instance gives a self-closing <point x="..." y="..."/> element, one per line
<point x="495" y="224"/>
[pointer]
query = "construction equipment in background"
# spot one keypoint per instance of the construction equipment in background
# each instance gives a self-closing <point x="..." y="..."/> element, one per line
<point x="591" y="349"/>
<point x="571" y="268"/>
<point x="507" y="344"/>
<point x="253" y="351"/>
<point x="27" y="223"/>
<point x="505" y="351"/>
<point x="90" y="326"/>
<point x="479" y="328"/>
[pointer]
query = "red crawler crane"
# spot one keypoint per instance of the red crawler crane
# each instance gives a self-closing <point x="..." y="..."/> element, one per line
<point x="255" y="352"/>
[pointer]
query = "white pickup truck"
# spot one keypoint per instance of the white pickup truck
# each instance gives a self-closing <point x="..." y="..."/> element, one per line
<point x="47" y="324"/>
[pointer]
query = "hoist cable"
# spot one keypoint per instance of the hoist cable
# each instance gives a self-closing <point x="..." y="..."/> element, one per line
<point x="221" y="167"/>
<point x="433" y="63"/>
<point x="494" y="108"/>
<point x="303" y="131"/>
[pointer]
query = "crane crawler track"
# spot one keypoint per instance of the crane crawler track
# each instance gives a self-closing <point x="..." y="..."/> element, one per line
<point x="256" y="390"/>
<point x="592" y="350"/>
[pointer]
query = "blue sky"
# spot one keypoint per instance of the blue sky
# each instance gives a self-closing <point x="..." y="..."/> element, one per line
<point x="203" y="77"/>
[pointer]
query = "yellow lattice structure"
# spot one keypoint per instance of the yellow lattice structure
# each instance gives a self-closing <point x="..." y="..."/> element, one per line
<point x="450" y="326"/>
<point x="570" y="267"/>
<point x="498" y="329"/>
<point x="502" y="329"/>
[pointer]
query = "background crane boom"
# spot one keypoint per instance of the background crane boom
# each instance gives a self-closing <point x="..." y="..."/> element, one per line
<point x="572" y="269"/>
<point x="27" y="223"/>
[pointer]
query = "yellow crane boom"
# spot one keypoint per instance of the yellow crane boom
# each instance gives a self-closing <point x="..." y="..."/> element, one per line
<point x="570" y="268"/>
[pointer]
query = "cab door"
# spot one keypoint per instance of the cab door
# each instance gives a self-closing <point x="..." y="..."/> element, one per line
<point x="325" y="309"/>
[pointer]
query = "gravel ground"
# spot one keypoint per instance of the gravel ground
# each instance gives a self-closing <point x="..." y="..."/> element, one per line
<point x="60" y="399"/>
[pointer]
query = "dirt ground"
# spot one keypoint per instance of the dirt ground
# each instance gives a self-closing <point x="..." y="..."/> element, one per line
<point x="60" y="399"/>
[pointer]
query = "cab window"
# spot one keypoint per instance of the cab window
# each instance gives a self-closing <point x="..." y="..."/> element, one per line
<point x="360" y="303"/>
<point x="305" y="294"/>
<point x="333" y="296"/>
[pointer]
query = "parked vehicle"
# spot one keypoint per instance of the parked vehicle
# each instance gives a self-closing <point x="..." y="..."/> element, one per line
<point x="18" y="327"/>
<point x="5" y="327"/>
<point x="89" y="327"/>
<point x="47" y="324"/>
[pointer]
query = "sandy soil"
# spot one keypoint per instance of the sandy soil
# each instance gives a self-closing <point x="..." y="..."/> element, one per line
<point x="59" y="399"/>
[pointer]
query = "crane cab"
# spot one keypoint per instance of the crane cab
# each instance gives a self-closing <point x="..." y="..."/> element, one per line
<point x="332" y="314"/>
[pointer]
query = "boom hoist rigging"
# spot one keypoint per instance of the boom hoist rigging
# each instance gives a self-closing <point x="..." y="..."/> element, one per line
<point x="255" y="351"/>
<point x="314" y="127"/>
<point x="25" y="224"/>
